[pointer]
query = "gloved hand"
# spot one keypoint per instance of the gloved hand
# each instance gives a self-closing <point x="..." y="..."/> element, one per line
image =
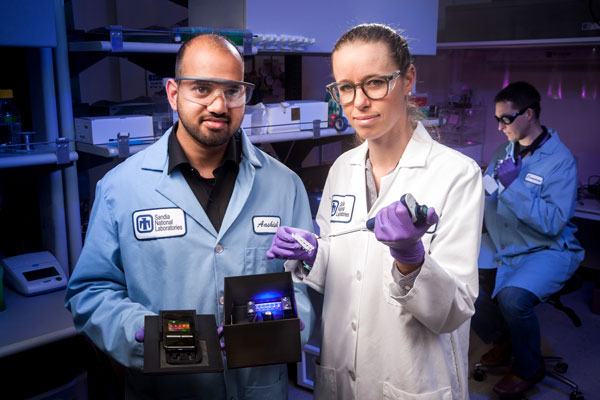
<point x="508" y="171"/>
<point x="139" y="336"/>
<point x="220" y="335"/>
<point x="286" y="247"/>
<point x="394" y="228"/>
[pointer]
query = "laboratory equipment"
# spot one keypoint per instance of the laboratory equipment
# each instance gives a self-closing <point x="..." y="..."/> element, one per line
<point x="181" y="342"/>
<point x="261" y="326"/>
<point x="295" y="115"/>
<point x="34" y="273"/>
<point x="304" y="243"/>
<point x="25" y="141"/>
<point x="270" y="309"/>
<point x="10" y="118"/>
<point x="102" y="130"/>
<point x="179" y="337"/>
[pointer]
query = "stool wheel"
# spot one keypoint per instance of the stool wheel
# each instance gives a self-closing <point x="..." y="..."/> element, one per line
<point x="561" y="367"/>
<point x="576" y="395"/>
<point x="479" y="374"/>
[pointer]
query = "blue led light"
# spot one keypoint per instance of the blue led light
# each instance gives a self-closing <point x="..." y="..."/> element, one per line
<point x="268" y="296"/>
<point x="272" y="306"/>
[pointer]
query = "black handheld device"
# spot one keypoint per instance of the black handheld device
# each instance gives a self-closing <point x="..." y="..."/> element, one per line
<point x="418" y="213"/>
<point x="178" y="329"/>
<point x="178" y="334"/>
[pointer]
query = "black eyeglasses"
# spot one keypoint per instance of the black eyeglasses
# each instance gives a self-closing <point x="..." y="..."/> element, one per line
<point x="509" y="119"/>
<point x="374" y="88"/>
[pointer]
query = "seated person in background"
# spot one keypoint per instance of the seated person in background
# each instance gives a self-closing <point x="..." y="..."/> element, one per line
<point x="528" y="249"/>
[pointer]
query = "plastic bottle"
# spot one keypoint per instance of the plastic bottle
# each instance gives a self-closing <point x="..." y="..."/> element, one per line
<point x="10" y="119"/>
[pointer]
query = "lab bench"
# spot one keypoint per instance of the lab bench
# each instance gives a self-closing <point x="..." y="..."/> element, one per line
<point x="29" y="322"/>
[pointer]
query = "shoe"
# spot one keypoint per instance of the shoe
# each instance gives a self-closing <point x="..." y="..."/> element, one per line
<point x="513" y="385"/>
<point x="499" y="355"/>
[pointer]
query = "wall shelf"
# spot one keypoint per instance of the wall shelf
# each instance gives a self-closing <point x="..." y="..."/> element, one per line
<point x="297" y="135"/>
<point x="109" y="151"/>
<point x="11" y="160"/>
<point x="594" y="40"/>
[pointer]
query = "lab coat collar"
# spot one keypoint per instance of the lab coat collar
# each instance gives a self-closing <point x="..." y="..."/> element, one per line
<point x="552" y="143"/>
<point x="155" y="156"/>
<point x="249" y="151"/>
<point x="176" y="189"/>
<point x="549" y="147"/>
<point x="415" y="155"/>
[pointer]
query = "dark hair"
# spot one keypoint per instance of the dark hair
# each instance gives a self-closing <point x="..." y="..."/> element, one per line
<point x="218" y="40"/>
<point x="521" y="94"/>
<point x="397" y="44"/>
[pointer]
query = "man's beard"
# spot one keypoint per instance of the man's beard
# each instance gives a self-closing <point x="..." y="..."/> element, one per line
<point x="208" y="138"/>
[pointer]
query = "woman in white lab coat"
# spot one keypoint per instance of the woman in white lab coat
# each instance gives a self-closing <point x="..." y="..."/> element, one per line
<point x="397" y="302"/>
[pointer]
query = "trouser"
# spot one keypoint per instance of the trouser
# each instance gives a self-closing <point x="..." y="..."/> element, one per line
<point x="510" y="314"/>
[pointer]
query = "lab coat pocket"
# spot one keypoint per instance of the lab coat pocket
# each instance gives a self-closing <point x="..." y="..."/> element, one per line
<point x="325" y="384"/>
<point x="256" y="262"/>
<point x="392" y="393"/>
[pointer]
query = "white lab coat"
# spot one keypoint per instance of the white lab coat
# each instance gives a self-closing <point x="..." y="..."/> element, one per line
<point x="378" y="344"/>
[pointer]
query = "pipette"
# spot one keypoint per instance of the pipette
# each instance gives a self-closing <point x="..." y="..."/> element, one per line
<point x="418" y="215"/>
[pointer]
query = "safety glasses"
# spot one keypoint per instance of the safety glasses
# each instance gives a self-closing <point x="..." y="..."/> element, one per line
<point x="203" y="91"/>
<point x="374" y="88"/>
<point x="509" y="119"/>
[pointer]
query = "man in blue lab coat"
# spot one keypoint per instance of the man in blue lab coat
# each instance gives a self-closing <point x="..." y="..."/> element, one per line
<point x="528" y="249"/>
<point x="171" y="222"/>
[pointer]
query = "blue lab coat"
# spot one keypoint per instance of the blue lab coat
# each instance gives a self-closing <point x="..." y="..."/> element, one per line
<point x="120" y="278"/>
<point x="530" y="238"/>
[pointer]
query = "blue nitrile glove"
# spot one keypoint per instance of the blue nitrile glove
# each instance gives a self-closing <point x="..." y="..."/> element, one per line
<point x="285" y="246"/>
<point x="508" y="171"/>
<point x="139" y="336"/>
<point x="394" y="228"/>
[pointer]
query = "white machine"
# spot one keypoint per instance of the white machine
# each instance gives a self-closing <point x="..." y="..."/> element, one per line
<point x="34" y="273"/>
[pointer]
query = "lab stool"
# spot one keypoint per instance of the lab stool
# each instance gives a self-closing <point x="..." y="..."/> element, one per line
<point x="559" y="367"/>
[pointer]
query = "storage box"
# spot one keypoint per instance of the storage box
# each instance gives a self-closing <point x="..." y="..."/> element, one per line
<point x="295" y="115"/>
<point x="252" y="341"/>
<point x="102" y="130"/>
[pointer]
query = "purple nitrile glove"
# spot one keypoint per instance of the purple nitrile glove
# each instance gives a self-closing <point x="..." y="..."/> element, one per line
<point x="508" y="171"/>
<point x="394" y="228"/>
<point x="139" y="336"/>
<point x="220" y="335"/>
<point x="286" y="247"/>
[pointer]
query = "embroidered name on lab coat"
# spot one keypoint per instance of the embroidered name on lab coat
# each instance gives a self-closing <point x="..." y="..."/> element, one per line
<point x="342" y="208"/>
<point x="159" y="223"/>
<point x="265" y="224"/>
<point x="535" y="179"/>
